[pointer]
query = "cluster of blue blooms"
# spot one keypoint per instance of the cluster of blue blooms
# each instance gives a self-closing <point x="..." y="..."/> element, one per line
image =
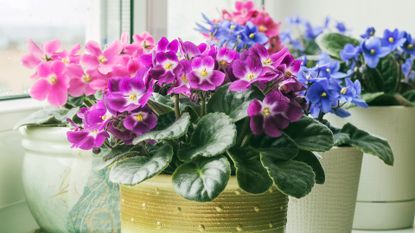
<point x="301" y="34"/>
<point x="232" y="35"/>
<point x="328" y="89"/>
<point x="398" y="43"/>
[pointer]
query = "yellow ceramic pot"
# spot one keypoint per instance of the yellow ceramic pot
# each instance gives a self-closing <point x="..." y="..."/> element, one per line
<point x="153" y="206"/>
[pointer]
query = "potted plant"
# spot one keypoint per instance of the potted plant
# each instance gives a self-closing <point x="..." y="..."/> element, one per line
<point x="65" y="189"/>
<point x="345" y="159"/>
<point x="330" y="207"/>
<point x="384" y="66"/>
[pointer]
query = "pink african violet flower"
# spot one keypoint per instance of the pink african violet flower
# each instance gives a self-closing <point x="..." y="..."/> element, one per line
<point x="273" y="114"/>
<point x="84" y="82"/>
<point x="203" y="76"/>
<point x="145" y="40"/>
<point x="245" y="10"/>
<point x="140" y="121"/>
<point x="266" y="24"/>
<point x="72" y="56"/>
<point x="103" y="61"/>
<point x="52" y="83"/>
<point x="38" y="54"/>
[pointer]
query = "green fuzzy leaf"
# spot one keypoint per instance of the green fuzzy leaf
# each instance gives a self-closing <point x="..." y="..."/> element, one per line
<point x="385" y="77"/>
<point x="282" y="148"/>
<point x="369" y="97"/>
<point x="333" y="43"/>
<point x="202" y="179"/>
<point x="390" y="100"/>
<point x="312" y="160"/>
<point x="341" y="139"/>
<point x="51" y="117"/>
<point x="134" y="170"/>
<point x="250" y="173"/>
<point x="292" y="177"/>
<point x="213" y="135"/>
<point x="160" y="104"/>
<point x="234" y="104"/>
<point x="311" y="135"/>
<point x="174" y="131"/>
<point x="368" y="143"/>
<point x="410" y="95"/>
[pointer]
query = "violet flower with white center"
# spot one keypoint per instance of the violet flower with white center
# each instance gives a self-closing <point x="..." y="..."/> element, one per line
<point x="87" y="139"/>
<point x="226" y="56"/>
<point x="168" y="62"/>
<point x="140" y="121"/>
<point x="248" y="72"/>
<point x="273" y="114"/>
<point x="203" y="76"/>
<point x="127" y="94"/>
<point x="182" y="83"/>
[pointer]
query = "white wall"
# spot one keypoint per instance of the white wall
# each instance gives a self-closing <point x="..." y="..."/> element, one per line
<point x="357" y="14"/>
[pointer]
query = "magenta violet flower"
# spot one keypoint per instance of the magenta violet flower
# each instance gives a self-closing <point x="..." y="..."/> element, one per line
<point x="141" y="121"/>
<point x="87" y="139"/>
<point x="127" y="94"/>
<point x="273" y="114"/>
<point x="204" y="77"/>
<point x="182" y="83"/>
<point x="248" y="71"/>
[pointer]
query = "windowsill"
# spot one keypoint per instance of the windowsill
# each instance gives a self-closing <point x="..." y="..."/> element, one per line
<point x="12" y="111"/>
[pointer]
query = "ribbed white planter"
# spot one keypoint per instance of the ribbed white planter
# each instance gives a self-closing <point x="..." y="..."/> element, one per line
<point x="329" y="208"/>
<point x="63" y="190"/>
<point x="386" y="197"/>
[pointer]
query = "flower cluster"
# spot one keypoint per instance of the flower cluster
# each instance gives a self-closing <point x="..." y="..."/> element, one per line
<point x="372" y="49"/>
<point x="329" y="89"/>
<point x="126" y="75"/>
<point x="61" y="73"/>
<point x="300" y="34"/>
<point x="242" y="28"/>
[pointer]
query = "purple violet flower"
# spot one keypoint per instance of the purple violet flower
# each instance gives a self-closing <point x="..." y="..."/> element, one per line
<point x="226" y="56"/>
<point x="273" y="114"/>
<point x="392" y="39"/>
<point x="182" y="83"/>
<point x="87" y="139"/>
<point x="248" y="71"/>
<point x="203" y="76"/>
<point x="140" y="121"/>
<point x="128" y="93"/>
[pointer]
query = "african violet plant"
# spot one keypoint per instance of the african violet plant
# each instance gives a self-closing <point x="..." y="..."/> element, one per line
<point x="384" y="65"/>
<point x="197" y="112"/>
<point x="329" y="90"/>
<point x="243" y="27"/>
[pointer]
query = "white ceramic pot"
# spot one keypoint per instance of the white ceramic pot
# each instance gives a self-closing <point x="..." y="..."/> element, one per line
<point x="386" y="197"/>
<point x="329" y="208"/>
<point x="63" y="190"/>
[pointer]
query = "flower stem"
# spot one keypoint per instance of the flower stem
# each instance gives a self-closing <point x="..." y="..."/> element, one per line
<point x="176" y="106"/>
<point x="203" y="98"/>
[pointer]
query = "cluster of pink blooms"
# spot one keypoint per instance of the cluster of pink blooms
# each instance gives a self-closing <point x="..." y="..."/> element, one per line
<point x="127" y="75"/>
<point x="245" y="11"/>
<point x="59" y="73"/>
